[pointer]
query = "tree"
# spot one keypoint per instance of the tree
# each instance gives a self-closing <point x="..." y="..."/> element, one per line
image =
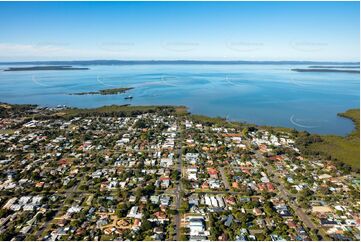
<point x="146" y="225"/>
<point x="175" y="175"/>
<point x="244" y="132"/>
<point x="184" y="206"/>
<point x="141" y="124"/>
<point x="7" y="234"/>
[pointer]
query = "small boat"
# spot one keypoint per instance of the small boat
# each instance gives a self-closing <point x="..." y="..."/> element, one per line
<point x="128" y="97"/>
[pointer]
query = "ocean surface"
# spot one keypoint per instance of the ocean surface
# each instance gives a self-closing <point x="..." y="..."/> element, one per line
<point x="260" y="94"/>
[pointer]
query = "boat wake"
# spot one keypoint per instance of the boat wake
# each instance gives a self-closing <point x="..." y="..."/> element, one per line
<point x="104" y="84"/>
<point x="301" y="125"/>
<point x="35" y="80"/>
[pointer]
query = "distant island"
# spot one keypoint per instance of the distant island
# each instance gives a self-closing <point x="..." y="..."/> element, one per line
<point x="46" y="68"/>
<point x="325" y="70"/>
<point x="111" y="91"/>
<point x="341" y="67"/>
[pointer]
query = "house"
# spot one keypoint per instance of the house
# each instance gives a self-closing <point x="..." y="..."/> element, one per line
<point x="39" y="184"/>
<point x="283" y="211"/>
<point x="192" y="158"/>
<point x="197" y="228"/>
<point x="205" y="185"/>
<point x="193" y="200"/>
<point x="220" y="202"/>
<point x="28" y="207"/>
<point x="165" y="200"/>
<point x="134" y="213"/>
<point x="192" y="173"/>
<point x="228" y="221"/>
<point x="321" y="209"/>
<point x="213" y="173"/>
<point x="214" y="184"/>
<point x="166" y="162"/>
<point x="291" y="224"/>
<point x="137" y="224"/>
<point x="160" y="216"/>
<point x="230" y="200"/>
<point x="74" y="209"/>
<point x="165" y="182"/>
<point x="257" y="211"/>
<point x="9" y="203"/>
<point x="324" y="176"/>
<point x="132" y="199"/>
<point x="276" y="237"/>
<point x="154" y="199"/>
<point x="15" y="207"/>
<point x="261" y="187"/>
<point x="143" y="199"/>
<point x="270" y="187"/>
<point x="328" y="222"/>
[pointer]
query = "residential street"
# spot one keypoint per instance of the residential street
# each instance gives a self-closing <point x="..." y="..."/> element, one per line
<point x="224" y="178"/>
<point x="71" y="192"/>
<point x="178" y="193"/>
<point x="286" y="195"/>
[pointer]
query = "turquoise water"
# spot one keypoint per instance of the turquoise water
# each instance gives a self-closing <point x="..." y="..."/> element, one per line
<point x="261" y="94"/>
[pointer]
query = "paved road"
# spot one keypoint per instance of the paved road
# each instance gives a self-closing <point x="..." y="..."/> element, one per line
<point x="178" y="193"/>
<point x="224" y="178"/>
<point x="286" y="195"/>
<point x="305" y="218"/>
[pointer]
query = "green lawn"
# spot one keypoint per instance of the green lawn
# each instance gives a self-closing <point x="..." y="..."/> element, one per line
<point x="7" y="131"/>
<point x="345" y="149"/>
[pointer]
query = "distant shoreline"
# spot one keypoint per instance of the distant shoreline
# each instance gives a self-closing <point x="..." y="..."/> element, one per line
<point x="325" y="70"/>
<point x="351" y="67"/>
<point x="177" y="62"/>
<point x="46" y="68"/>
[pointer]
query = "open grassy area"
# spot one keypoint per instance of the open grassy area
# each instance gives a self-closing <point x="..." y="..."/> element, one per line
<point x="7" y="131"/>
<point x="344" y="149"/>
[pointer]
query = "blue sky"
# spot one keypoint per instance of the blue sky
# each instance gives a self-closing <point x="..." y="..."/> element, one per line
<point x="180" y="30"/>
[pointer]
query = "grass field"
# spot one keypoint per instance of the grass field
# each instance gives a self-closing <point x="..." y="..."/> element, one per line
<point x="344" y="149"/>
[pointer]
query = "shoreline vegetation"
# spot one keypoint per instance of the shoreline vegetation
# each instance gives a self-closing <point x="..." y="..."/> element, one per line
<point x="46" y="68"/>
<point x="110" y="91"/>
<point x="345" y="151"/>
<point x="121" y="111"/>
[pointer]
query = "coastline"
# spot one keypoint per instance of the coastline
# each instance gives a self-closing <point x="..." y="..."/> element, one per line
<point x="46" y="68"/>
<point x="333" y="147"/>
<point x="326" y="70"/>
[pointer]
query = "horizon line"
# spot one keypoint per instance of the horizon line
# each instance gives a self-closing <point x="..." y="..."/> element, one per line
<point x="184" y="61"/>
